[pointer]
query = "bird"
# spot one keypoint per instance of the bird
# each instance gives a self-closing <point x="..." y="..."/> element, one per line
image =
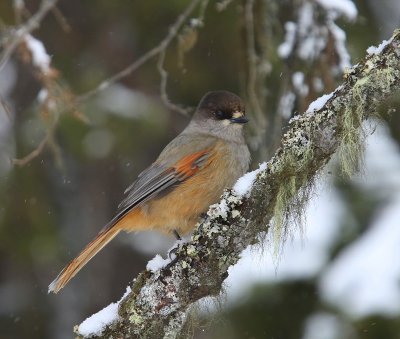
<point x="189" y="175"/>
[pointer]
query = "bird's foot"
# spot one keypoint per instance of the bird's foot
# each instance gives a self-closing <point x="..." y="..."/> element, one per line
<point x="176" y="234"/>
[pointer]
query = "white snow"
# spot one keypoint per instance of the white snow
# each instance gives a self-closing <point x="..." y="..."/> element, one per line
<point x="312" y="37"/>
<point x="157" y="263"/>
<point x="42" y="95"/>
<point x="286" y="47"/>
<point x="340" y="7"/>
<point x="325" y="323"/>
<point x="340" y="46"/>
<point x="302" y="257"/>
<point x="378" y="49"/>
<point x="298" y="83"/>
<point x="40" y="58"/>
<point x="318" y="84"/>
<point x="364" y="278"/>
<point x="222" y="208"/>
<point x="286" y="105"/>
<point x="245" y="183"/>
<point x="96" y="323"/>
<point x="318" y="103"/>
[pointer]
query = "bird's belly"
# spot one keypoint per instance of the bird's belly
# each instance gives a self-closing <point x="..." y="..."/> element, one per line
<point x="181" y="208"/>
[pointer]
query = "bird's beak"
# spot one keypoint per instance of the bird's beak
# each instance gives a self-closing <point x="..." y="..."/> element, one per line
<point x="238" y="118"/>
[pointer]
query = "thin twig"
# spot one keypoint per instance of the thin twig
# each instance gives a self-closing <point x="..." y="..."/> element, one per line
<point x="157" y="50"/>
<point x="163" y="88"/>
<point x="36" y="152"/>
<point x="162" y="46"/>
<point x="19" y="6"/>
<point x="202" y="12"/>
<point x="20" y="33"/>
<point x="5" y="106"/>
<point x="61" y="19"/>
<point x="164" y="74"/>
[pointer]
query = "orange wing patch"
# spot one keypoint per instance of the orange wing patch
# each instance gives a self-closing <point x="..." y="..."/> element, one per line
<point x="189" y="165"/>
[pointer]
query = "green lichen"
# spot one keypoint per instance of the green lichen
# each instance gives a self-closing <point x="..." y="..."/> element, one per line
<point x="292" y="195"/>
<point x="136" y="318"/>
<point x="352" y="135"/>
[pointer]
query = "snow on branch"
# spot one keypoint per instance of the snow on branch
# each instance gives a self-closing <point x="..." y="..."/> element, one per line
<point x="269" y="199"/>
<point x="315" y="47"/>
<point x="18" y="35"/>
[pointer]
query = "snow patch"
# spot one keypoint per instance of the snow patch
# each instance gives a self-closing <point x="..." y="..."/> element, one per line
<point x="245" y="183"/>
<point x="96" y="323"/>
<point x="157" y="263"/>
<point x="364" y="278"/>
<point x="340" y="7"/>
<point x="286" y="47"/>
<point x="286" y="105"/>
<point x="325" y="323"/>
<point x="340" y="46"/>
<point x="40" y="58"/>
<point x="298" y="83"/>
<point x="318" y="103"/>
<point x="43" y="95"/>
<point x="375" y="50"/>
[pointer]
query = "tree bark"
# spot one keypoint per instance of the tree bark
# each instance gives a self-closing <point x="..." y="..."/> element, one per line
<point x="159" y="303"/>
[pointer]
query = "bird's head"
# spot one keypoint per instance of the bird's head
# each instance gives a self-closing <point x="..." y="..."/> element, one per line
<point x="221" y="113"/>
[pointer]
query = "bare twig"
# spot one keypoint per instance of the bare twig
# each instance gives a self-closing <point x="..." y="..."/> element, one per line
<point x="5" y="106"/>
<point x="19" y="34"/>
<point x="163" y="88"/>
<point x="19" y="8"/>
<point x="164" y="74"/>
<point x="36" y="152"/>
<point x="50" y="85"/>
<point x="162" y="46"/>
<point x="61" y="19"/>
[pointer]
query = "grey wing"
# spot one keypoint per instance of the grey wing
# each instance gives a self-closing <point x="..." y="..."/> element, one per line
<point x="148" y="184"/>
<point x="156" y="180"/>
<point x="161" y="176"/>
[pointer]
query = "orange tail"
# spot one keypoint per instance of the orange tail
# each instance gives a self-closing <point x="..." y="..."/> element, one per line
<point x="69" y="271"/>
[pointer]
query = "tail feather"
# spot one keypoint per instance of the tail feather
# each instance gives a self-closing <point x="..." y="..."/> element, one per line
<point x="69" y="271"/>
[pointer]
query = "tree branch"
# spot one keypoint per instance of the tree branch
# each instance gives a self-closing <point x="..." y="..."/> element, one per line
<point x="163" y="88"/>
<point x="72" y="103"/>
<point x="20" y="33"/>
<point x="158" y="305"/>
<point x="157" y="50"/>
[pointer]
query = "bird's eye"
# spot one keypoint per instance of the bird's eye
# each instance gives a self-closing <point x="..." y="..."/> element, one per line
<point x="220" y="115"/>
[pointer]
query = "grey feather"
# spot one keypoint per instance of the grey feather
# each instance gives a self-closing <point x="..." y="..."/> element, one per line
<point x="160" y="177"/>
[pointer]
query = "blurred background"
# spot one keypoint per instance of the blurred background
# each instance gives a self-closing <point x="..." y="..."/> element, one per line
<point x="66" y="159"/>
